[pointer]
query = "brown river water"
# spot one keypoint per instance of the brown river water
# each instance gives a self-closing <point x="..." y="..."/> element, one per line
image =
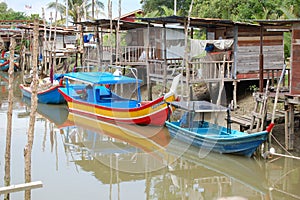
<point x="78" y="158"/>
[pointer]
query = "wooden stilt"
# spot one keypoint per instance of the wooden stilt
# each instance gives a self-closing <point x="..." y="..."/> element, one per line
<point x="234" y="94"/>
<point x="286" y="129"/>
<point x="290" y="144"/>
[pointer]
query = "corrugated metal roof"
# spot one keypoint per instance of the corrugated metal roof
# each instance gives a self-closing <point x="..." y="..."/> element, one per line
<point x="194" y="21"/>
<point x="105" y="24"/>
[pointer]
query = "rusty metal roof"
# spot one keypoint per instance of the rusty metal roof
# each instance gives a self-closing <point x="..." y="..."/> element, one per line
<point x="278" y="24"/>
<point x="194" y="21"/>
<point x="285" y="22"/>
<point x="105" y="24"/>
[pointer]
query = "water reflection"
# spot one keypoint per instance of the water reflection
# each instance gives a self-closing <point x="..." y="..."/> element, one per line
<point x="120" y="153"/>
<point x="116" y="161"/>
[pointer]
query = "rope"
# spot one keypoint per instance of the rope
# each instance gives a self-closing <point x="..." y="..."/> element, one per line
<point x="281" y="145"/>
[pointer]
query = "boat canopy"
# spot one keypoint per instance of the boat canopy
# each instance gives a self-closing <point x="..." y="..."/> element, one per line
<point x="101" y="78"/>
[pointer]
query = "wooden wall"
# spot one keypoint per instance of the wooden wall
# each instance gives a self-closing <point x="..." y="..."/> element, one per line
<point x="248" y="49"/>
<point x="295" y="61"/>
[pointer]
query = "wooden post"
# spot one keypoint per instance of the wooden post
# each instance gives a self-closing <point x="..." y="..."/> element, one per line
<point x="49" y="41"/>
<point x="28" y="147"/>
<point x="9" y="113"/>
<point x="54" y="44"/>
<point x="291" y="108"/>
<point x="186" y="52"/>
<point x="235" y="51"/>
<point x="44" y="43"/>
<point x="111" y="27"/>
<point x="261" y="62"/>
<point x="22" y="53"/>
<point x="101" y="48"/>
<point x="97" y="38"/>
<point x="286" y="128"/>
<point x="118" y="57"/>
<point x="221" y="83"/>
<point x="149" y="86"/>
<point x="165" y="65"/>
<point x="234" y="94"/>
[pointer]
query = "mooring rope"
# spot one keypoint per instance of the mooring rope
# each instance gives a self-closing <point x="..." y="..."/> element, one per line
<point x="281" y="145"/>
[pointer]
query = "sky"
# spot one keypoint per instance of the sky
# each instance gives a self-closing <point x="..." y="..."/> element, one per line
<point x="36" y="6"/>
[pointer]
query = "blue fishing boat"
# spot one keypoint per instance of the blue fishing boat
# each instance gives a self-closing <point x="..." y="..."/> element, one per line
<point x="4" y="62"/>
<point x="46" y="92"/>
<point x="211" y="136"/>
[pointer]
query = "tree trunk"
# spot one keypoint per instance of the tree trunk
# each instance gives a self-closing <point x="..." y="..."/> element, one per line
<point x="28" y="147"/>
<point x="9" y="114"/>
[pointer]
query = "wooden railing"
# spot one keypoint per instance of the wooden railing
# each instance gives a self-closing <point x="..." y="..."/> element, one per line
<point x="132" y="53"/>
<point x="210" y="70"/>
<point x="170" y="67"/>
<point x="274" y="75"/>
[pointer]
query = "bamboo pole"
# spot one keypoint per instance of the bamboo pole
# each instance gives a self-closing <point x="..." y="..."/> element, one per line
<point x="186" y="55"/>
<point x="275" y="102"/>
<point x="111" y="27"/>
<point x="28" y="147"/>
<point x="44" y="43"/>
<point x="22" y="52"/>
<point x="118" y="34"/>
<point x="149" y="87"/>
<point x="49" y="41"/>
<point x="9" y="114"/>
<point x="54" y="45"/>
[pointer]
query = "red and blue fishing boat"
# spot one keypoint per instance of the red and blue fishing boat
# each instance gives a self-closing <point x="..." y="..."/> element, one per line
<point x="112" y="96"/>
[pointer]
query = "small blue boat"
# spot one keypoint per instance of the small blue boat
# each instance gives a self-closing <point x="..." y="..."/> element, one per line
<point x="47" y="96"/>
<point x="212" y="137"/>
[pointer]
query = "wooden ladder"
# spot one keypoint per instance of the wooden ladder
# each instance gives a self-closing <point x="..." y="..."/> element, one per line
<point x="259" y="113"/>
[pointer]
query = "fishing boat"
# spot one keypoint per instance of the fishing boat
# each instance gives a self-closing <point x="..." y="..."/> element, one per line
<point x="112" y="96"/>
<point x="4" y="62"/>
<point x="211" y="136"/>
<point x="47" y="92"/>
<point x="4" y="66"/>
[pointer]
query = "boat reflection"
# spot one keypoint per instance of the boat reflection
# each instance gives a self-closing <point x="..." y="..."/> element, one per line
<point x="131" y="144"/>
<point x="117" y="153"/>
<point x="54" y="113"/>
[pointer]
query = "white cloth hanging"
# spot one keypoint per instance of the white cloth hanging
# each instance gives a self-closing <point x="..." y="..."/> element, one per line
<point x="198" y="46"/>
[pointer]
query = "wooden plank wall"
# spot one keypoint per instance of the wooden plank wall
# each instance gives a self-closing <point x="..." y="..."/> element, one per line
<point x="295" y="61"/>
<point x="248" y="49"/>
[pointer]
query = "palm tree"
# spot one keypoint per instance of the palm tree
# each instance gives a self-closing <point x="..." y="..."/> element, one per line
<point x="77" y="9"/>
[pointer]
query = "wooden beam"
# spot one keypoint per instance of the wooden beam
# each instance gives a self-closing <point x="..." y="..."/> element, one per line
<point x="21" y="187"/>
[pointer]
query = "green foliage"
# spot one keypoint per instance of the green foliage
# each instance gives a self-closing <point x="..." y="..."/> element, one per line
<point x="237" y="10"/>
<point x="287" y="44"/>
<point x="253" y="88"/>
<point x="159" y="7"/>
<point x="77" y="9"/>
<point x="9" y="14"/>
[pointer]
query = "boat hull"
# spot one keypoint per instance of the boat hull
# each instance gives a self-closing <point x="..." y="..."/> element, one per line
<point x="214" y="139"/>
<point x="151" y="113"/>
<point x="48" y="96"/>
